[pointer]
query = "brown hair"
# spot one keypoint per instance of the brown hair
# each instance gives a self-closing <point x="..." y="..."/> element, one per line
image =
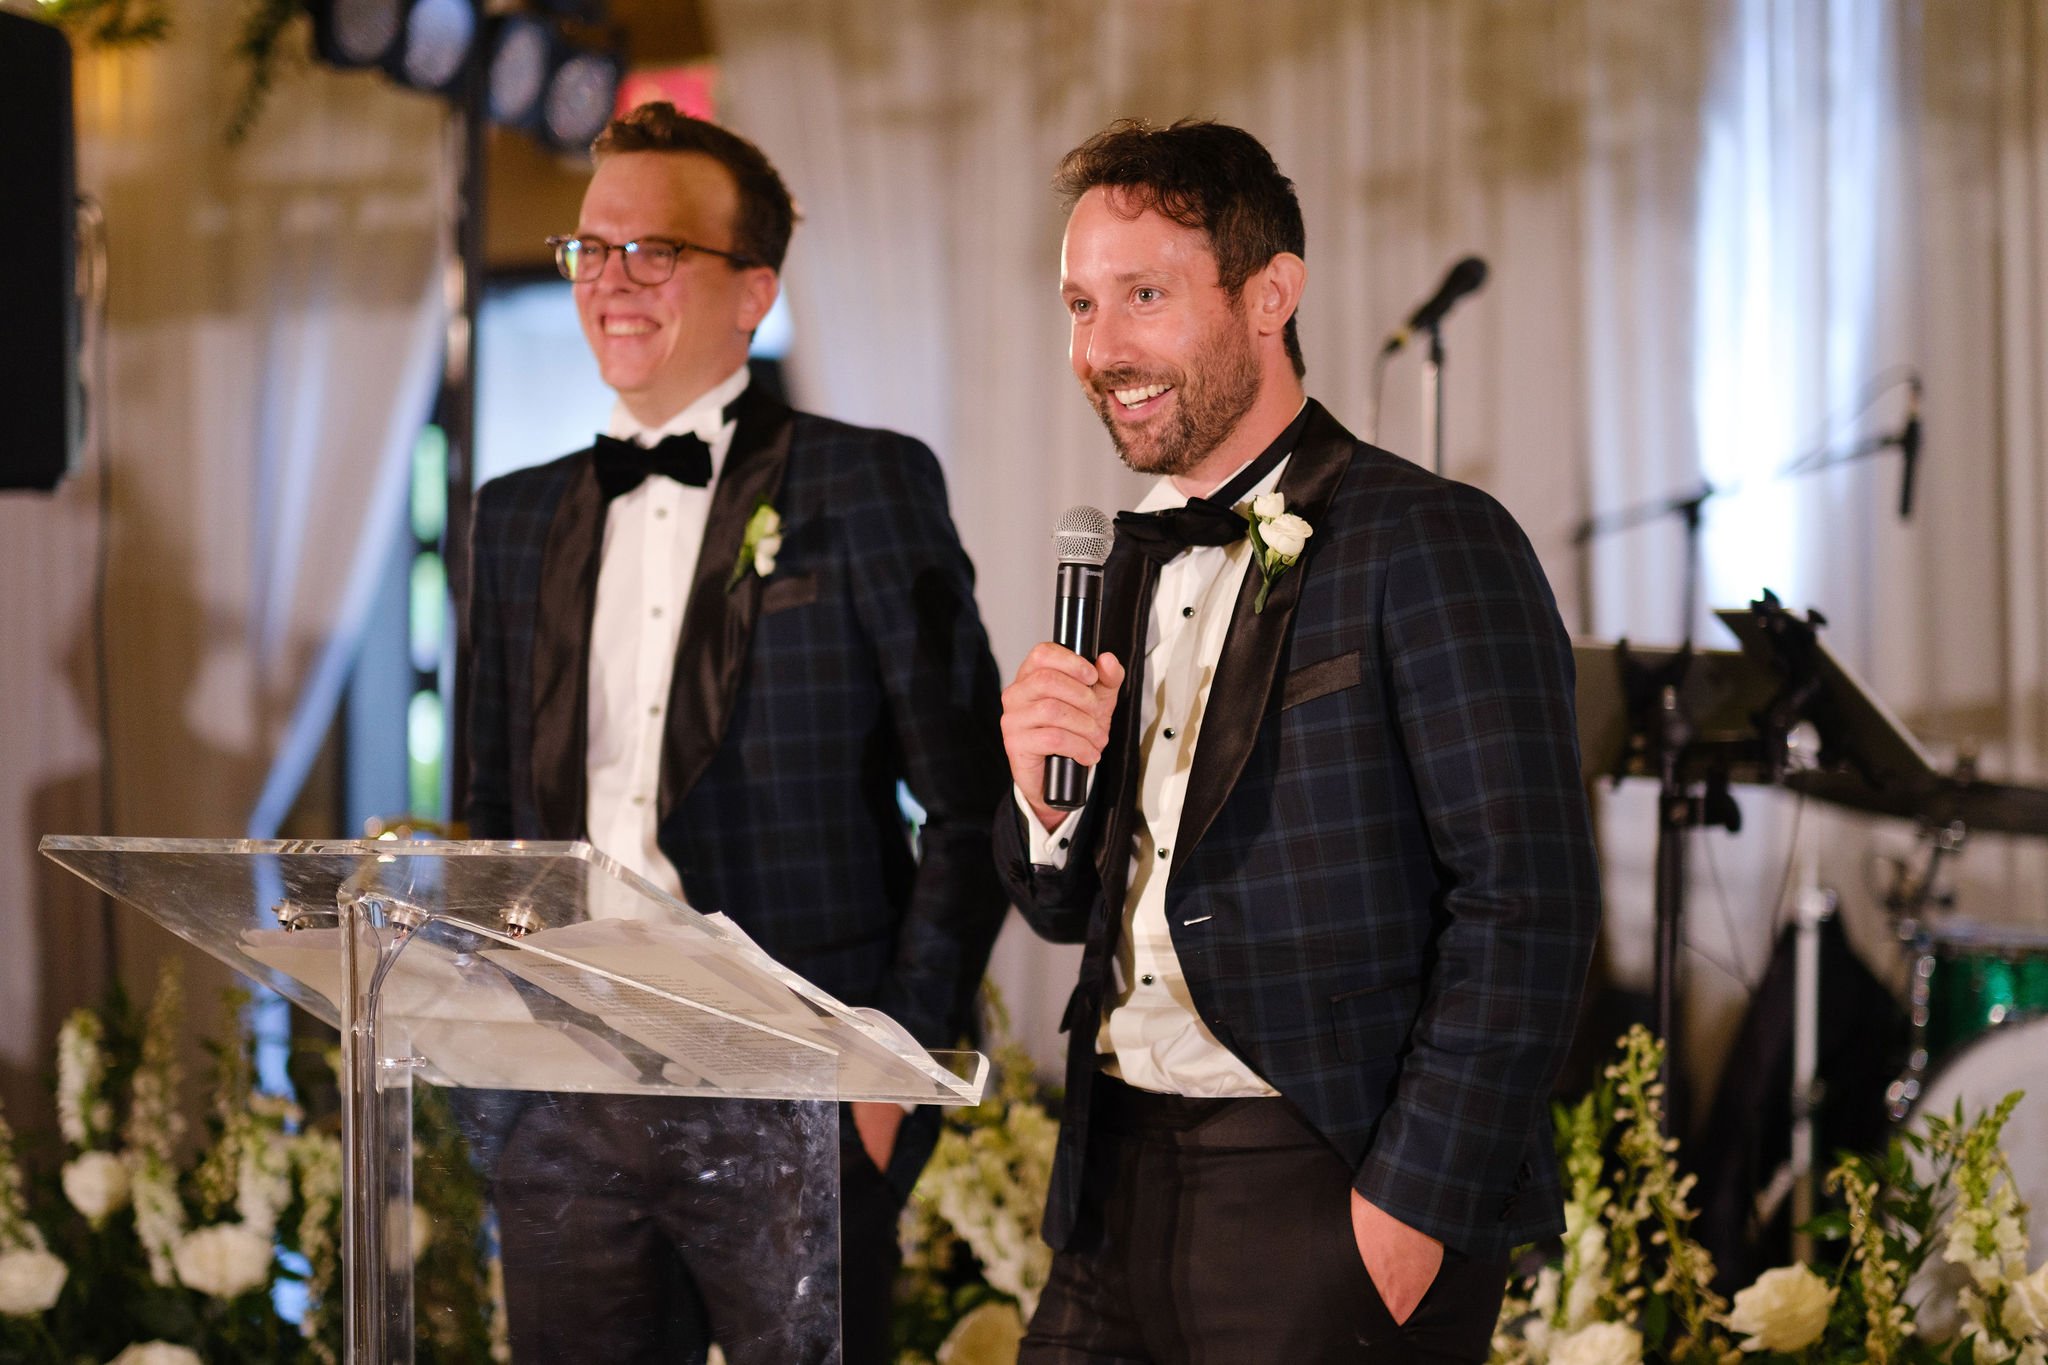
<point x="766" y="213"/>
<point x="1204" y="175"/>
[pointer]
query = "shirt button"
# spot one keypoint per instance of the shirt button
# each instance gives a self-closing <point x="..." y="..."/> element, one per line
<point x="1168" y="732"/>
<point x="1187" y="611"/>
<point x="1164" y="853"/>
<point x="639" y="800"/>
<point x="660" y="511"/>
<point x="1063" y="843"/>
<point x="654" y="710"/>
<point x="654" y="611"/>
<point x="1147" y="979"/>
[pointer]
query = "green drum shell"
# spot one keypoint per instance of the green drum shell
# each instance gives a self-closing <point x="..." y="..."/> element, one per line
<point x="1980" y="984"/>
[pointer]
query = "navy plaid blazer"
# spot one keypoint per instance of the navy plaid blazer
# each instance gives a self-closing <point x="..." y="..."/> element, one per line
<point x="1383" y="890"/>
<point x="798" y="703"/>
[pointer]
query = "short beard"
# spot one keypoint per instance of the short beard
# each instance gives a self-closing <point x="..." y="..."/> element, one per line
<point x="1211" y="397"/>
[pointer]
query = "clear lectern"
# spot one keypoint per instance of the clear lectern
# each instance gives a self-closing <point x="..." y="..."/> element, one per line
<point x="547" y="970"/>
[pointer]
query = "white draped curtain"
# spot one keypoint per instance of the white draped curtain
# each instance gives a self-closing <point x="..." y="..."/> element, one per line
<point x="272" y="344"/>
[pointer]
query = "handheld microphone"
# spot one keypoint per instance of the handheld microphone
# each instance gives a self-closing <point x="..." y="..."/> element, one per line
<point x="1464" y="277"/>
<point x="1909" y="446"/>
<point x="1080" y="543"/>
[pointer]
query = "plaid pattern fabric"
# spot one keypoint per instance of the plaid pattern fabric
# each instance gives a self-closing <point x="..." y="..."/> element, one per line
<point x="867" y="665"/>
<point x="1392" y="914"/>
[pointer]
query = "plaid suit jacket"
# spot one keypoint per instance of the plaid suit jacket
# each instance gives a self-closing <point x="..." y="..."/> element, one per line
<point x="1383" y="890"/>
<point x="798" y="703"/>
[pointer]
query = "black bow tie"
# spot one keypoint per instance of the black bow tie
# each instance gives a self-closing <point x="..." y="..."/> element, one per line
<point x="623" y="465"/>
<point x="1213" y="520"/>
<point x="1161" y="535"/>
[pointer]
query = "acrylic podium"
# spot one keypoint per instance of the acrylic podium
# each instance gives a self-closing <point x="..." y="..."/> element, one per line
<point x="543" y="969"/>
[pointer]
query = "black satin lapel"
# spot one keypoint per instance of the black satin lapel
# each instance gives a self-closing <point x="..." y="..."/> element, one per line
<point x="1123" y="634"/>
<point x="561" y="654"/>
<point x="718" y="625"/>
<point x="1251" y="651"/>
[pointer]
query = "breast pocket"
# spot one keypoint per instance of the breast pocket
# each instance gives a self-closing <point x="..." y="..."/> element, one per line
<point x="1320" y="679"/>
<point x="782" y="594"/>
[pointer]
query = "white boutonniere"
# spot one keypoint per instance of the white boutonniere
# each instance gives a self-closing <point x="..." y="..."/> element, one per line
<point x="759" y="545"/>
<point x="1278" y="537"/>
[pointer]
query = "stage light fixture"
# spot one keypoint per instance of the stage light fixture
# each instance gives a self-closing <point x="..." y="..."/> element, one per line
<point x="581" y="93"/>
<point x="434" y="48"/>
<point x="356" y="33"/>
<point x="522" y="56"/>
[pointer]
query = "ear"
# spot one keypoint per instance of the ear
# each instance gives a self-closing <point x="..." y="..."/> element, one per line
<point x="1274" y="292"/>
<point x="757" y="296"/>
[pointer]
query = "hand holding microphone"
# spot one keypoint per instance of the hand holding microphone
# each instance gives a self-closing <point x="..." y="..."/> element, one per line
<point x="1056" y="711"/>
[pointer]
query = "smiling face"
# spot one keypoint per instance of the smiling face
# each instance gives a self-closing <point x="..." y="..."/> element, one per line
<point x="1171" y="362"/>
<point x="661" y="346"/>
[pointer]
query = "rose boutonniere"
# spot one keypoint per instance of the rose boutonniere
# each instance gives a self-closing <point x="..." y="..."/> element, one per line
<point x="759" y="545"/>
<point x="1278" y="537"/>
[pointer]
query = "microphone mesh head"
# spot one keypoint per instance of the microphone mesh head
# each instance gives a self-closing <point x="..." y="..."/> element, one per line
<point x="1083" y="536"/>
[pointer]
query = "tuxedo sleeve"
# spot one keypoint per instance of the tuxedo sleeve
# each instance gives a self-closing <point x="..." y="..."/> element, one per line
<point x="1053" y="891"/>
<point x="913" y="588"/>
<point x="487" y="805"/>
<point x="1481" y="686"/>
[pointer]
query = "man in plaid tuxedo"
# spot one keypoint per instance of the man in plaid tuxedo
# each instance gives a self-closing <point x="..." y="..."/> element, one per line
<point x="1334" y="875"/>
<point x="726" y="706"/>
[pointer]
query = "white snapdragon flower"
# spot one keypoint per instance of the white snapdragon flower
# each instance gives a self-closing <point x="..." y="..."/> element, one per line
<point x="1785" y="1310"/>
<point x="82" y="1110"/>
<point x="2026" y="1305"/>
<point x="1286" y="535"/>
<point x="157" y="1353"/>
<point x="30" y="1281"/>
<point x="226" y="1260"/>
<point x="96" y="1183"/>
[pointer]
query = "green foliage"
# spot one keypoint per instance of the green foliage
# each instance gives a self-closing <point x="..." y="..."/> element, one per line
<point x="111" y="23"/>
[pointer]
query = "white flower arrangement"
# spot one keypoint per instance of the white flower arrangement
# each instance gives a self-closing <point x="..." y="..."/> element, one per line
<point x="1631" y="1285"/>
<point x="974" y="1262"/>
<point x="175" y="1256"/>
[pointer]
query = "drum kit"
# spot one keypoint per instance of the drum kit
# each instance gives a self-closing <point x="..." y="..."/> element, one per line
<point x="1784" y="710"/>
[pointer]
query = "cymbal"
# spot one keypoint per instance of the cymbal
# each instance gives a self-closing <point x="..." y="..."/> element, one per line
<point x="1985" y="807"/>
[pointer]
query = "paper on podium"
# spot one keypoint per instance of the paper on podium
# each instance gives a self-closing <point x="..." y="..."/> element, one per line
<point x="745" y="1023"/>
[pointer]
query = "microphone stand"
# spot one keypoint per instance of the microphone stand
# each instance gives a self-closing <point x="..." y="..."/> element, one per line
<point x="1433" y="396"/>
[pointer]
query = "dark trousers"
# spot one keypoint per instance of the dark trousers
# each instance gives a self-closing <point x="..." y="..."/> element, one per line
<point x="1218" y="1232"/>
<point x="641" y="1229"/>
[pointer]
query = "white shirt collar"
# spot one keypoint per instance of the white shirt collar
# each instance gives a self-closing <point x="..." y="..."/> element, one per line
<point x="705" y="416"/>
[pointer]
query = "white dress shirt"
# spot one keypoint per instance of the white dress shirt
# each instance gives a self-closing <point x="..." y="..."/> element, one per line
<point x="651" y="539"/>
<point x="1152" y="1035"/>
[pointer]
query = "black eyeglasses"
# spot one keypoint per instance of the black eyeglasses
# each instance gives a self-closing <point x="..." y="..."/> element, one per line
<point x="649" y="260"/>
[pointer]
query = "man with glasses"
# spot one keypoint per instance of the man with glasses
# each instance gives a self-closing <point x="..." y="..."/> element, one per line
<point x="713" y="645"/>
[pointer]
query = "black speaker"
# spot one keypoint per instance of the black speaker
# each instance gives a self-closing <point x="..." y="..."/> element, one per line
<point x="40" y="405"/>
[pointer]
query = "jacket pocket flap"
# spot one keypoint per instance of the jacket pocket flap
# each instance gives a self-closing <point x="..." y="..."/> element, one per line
<point x="798" y="590"/>
<point x="1320" y="679"/>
